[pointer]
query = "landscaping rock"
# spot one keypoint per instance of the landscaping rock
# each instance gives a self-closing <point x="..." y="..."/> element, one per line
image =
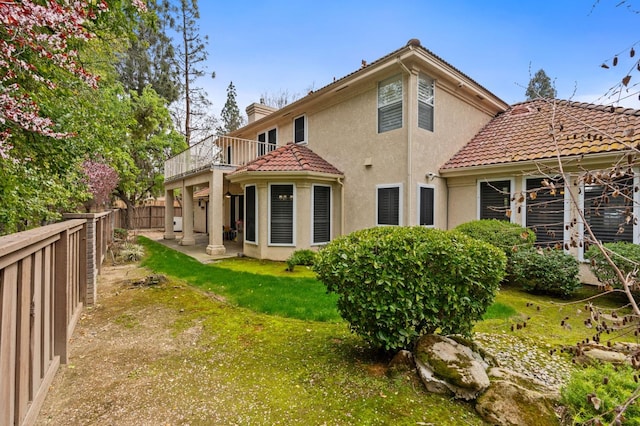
<point x="594" y="352"/>
<point x="402" y="362"/>
<point x="447" y="367"/>
<point x="515" y="399"/>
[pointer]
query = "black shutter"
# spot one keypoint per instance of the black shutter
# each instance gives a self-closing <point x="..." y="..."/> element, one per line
<point x="495" y="199"/>
<point x="272" y="139"/>
<point x="545" y="213"/>
<point x="389" y="206"/>
<point x="262" y="142"/>
<point x="426" y="206"/>
<point x="321" y="214"/>
<point x="606" y="214"/>
<point x="299" y="130"/>
<point x="250" y="222"/>
<point x="282" y="214"/>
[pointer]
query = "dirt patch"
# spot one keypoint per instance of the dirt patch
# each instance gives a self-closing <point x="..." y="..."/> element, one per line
<point x="114" y="343"/>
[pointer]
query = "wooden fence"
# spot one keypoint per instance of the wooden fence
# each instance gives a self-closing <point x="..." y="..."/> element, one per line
<point x="43" y="287"/>
<point x="145" y="217"/>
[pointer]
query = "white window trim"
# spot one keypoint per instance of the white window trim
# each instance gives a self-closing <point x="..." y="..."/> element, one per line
<point x="402" y="100"/>
<point x="319" y="243"/>
<point x="636" y="212"/>
<point x="400" y="202"/>
<point x="305" y="141"/>
<point x="432" y="104"/>
<point x="255" y="215"/>
<point x="512" y="203"/>
<point x="424" y="185"/>
<point x="566" y="233"/>
<point x="294" y="216"/>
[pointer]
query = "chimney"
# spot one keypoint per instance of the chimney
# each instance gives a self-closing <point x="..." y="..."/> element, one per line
<point x="256" y="111"/>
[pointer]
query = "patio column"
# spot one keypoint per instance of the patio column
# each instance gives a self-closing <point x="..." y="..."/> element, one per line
<point x="168" y="215"/>
<point x="187" y="216"/>
<point x="216" y="213"/>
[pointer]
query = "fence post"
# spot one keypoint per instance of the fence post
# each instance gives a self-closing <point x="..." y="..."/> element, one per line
<point x="61" y="299"/>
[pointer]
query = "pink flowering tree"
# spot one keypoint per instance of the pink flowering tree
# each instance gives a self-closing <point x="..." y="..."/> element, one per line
<point x="101" y="180"/>
<point x="38" y="39"/>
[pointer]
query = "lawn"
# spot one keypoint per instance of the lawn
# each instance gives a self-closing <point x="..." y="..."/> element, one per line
<point x="286" y="357"/>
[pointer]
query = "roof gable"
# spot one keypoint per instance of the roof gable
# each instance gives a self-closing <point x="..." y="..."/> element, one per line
<point x="289" y="158"/>
<point x="529" y="131"/>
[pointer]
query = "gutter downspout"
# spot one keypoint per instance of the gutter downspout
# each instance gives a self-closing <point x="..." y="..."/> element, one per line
<point x="409" y="144"/>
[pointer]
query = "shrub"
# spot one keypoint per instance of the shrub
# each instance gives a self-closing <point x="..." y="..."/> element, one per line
<point x="507" y="236"/>
<point x="396" y="283"/>
<point x="120" y="234"/>
<point x="547" y="271"/>
<point x="605" y="386"/>
<point x="130" y="252"/>
<point x="303" y="257"/>
<point x="626" y="256"/>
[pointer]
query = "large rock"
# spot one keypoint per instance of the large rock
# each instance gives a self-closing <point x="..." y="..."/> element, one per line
<point x="447" y="367"/>
<point x="514" y="399"/>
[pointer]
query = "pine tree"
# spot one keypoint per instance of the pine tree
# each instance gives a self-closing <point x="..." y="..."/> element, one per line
<point x="191" y="53"/>
<point x="231" y="118"/>
<point x="540" y="86"/>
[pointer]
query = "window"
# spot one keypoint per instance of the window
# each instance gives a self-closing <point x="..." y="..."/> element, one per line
<point x="607" y="214"/>
<point x="495" y="200"/>
<point x="300" y="130"/>
<point x="425" y="103"/>
<point x="251" y="213"/>
<point x="267" y="141"/>
<point x="388" y="204"/>
<point x="544" y="213"/>
<point x="321" y="214"/>
<point x="425" y="205"/>
<point x="281" y="215"/>
<point x="390" y="104"/>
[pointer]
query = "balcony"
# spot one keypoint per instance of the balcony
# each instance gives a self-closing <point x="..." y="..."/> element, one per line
<point x="221" y="151"/>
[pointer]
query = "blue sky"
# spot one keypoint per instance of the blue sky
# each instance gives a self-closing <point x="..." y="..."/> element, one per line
<point x="276" y="45"/>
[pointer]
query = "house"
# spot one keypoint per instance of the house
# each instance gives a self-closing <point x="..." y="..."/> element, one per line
<point x="405" y="140"/>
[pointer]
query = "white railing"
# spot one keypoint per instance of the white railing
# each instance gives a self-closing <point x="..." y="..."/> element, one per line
<point x="223" y="150"/>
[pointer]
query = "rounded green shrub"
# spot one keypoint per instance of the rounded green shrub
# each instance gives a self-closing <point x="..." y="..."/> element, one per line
<point x="395" y="284"/>
<point x="547" y="271"/>
<point x="625" y="255"/>
<point x="304" y="257"/>
<point x="507" y="236"/>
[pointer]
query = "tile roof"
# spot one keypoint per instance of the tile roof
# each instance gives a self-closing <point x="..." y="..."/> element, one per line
<point x="289" y="158"/>
<point x="201" y="193"/>
<point x="526" y="132"/>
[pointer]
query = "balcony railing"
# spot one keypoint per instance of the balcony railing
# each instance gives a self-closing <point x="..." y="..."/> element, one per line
<point x="224" y="151"/>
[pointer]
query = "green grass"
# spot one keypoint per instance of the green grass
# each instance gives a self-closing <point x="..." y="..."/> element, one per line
<point x="292" y="295"/>
<point x="499" y="311"/>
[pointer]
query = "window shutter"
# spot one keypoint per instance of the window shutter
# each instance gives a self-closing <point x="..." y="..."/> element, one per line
<point x="262" y="141"/>
<point x="426" y="206"/>
<point x="495" y="199"/>
<point x="299" y="135"/>
<point x="425" y="103"/>
<point x="389" y="206"/>
<point x="321" y="214"/>
<point x="272" y="139"/>
<point x="545" y="213"/>
<point x="605" y="213"/>
<point x="390" y="104"/>
<point x="250" y="206"/>
<point x="282" y="214"/>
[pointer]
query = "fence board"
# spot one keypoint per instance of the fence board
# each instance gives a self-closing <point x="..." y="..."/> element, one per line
<point x="7" y="344"/>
